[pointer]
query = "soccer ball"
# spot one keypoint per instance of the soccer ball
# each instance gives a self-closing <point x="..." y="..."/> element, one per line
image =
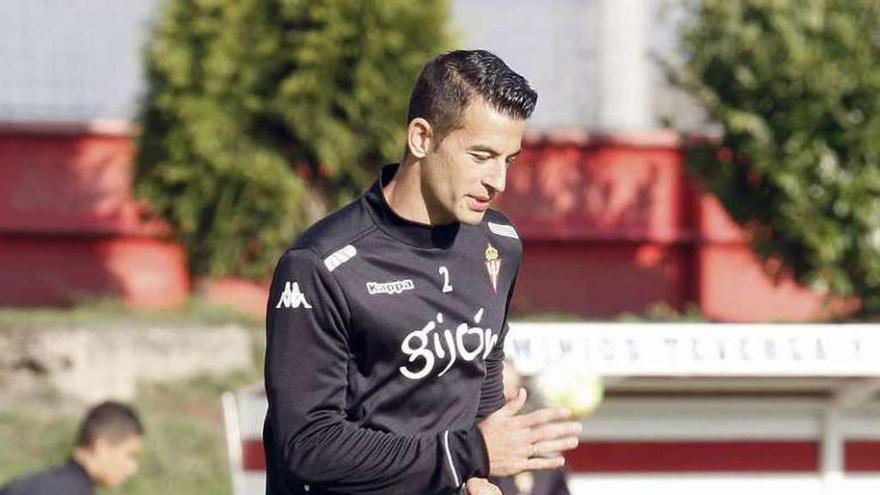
<point x="576" y="389"/>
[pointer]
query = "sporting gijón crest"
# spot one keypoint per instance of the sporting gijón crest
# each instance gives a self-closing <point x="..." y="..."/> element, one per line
<point x="493" y="266"/>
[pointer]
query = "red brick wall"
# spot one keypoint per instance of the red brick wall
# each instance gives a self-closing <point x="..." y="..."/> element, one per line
<point x="610" y="224"/>
<point x="69" y="226"/>
<point x="614" y="224"/>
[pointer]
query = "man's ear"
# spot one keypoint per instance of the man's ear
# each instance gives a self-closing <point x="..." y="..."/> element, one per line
<point x="99" y="446"/>
<point x="419" y="137"/>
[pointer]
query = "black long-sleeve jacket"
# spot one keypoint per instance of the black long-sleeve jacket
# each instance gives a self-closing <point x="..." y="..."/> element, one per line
<point x="384" y="350"/>
<point x="68" y="479"/>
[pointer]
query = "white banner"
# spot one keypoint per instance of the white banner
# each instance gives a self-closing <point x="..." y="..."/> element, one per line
<point x="681" y="349"/>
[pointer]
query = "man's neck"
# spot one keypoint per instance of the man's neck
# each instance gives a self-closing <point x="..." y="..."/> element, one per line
<point x="82" y="457"/>
<point x="405" y="197"/>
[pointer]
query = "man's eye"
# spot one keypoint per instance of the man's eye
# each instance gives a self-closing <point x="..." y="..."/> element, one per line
<point x="480" y="158"/>
<point x="511" y="160"/>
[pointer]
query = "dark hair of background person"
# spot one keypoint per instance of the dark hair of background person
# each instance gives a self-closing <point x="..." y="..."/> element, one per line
<point x="111" y="421"/>
<point x="449" y="81"/>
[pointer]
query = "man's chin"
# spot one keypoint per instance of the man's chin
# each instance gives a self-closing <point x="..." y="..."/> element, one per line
<point x="472" y="217"/>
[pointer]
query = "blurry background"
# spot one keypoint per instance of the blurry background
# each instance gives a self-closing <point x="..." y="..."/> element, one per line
<point x="688" y="161"/>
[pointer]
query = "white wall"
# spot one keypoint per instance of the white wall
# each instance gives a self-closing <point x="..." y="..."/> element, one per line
<point x="590" y="60"/>
<point x="71" y="60"/>
<point x="593" y="62"/>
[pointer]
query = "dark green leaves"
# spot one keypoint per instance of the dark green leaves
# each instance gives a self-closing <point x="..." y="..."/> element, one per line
<point x="796" y="84"/>
<point x="263" y="114"/>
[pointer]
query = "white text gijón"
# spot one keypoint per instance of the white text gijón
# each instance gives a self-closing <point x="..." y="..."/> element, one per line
<point x="430" y="345"/>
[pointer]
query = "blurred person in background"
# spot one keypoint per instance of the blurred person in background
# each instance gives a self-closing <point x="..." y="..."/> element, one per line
<point x="106" y="454"/>
<point x="545" y="482"/>
<point x="386" y="320"/>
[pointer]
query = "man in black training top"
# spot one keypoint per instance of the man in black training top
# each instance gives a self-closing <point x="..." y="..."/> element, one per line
<point x="386" y="320"/>
<point x="106" y="454"/>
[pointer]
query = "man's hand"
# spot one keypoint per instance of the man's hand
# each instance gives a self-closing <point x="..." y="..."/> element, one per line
<point x="479" y="486"/>
<point x="518" y="443"/>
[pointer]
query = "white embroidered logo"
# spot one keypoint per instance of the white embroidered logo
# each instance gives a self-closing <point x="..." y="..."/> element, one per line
<point x="292" y="297"/>
<point x="395" y="287"/>
<point x="481" y="341"/>
<point x="503" y="230"/>
<point x="339" y="257"/>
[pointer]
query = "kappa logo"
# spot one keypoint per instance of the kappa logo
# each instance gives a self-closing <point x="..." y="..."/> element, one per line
<point x="292" y="297"/>
<point x="395" y="287"/>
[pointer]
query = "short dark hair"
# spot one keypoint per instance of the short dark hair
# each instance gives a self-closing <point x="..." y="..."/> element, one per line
<point x="109" y="420"/>
<point x="449" y="81"/>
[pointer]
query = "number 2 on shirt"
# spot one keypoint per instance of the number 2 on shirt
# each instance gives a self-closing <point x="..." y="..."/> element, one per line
<point x="446" y="286"/>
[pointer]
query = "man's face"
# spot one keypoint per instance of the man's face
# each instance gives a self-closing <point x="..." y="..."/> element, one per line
<point x="463" y="174"/>
<point x="115" y="463"/>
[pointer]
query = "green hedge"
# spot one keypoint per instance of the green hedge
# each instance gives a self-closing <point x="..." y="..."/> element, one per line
<point x="261" y="115"/>
<point x="796" y="85"/>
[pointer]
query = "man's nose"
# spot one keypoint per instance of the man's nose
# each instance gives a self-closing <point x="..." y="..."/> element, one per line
<point x="496" y="179"/>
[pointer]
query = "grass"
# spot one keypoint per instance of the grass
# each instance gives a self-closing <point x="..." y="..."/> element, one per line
<point x="185" y="447"/>
<point x="654" y="313"/>
<point x="664" y="313"/>
<point x="196" y="311"/>
<point x="33" y="437"/>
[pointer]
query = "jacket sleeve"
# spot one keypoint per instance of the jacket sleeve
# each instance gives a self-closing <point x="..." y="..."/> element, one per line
<point x="35" y="484"/>
<point x="559" y="482"/>
<point x="308" y="354"/>
<point x="492" y="390"/>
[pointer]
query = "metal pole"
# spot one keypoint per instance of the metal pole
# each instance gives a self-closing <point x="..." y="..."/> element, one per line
<point x="832" y="456"/>
<point x="831" y="449"/>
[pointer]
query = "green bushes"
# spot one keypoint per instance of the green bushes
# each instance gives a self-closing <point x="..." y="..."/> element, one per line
<point x="263" y="114"/>
<point x="796" y="85"/>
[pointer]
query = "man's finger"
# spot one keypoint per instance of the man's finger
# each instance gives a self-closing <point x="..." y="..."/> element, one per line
<point x="553" y="431"/>
<point x="515" y="405"/>
<point x="537" y="463"/>
<point x="480" y="486"/>
<point x="554" y="446"/>
<point x="542" y="416"/>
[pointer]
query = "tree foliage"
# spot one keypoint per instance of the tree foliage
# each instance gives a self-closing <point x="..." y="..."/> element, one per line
<point x="261" y="114"/>
<point x="796" y="86"/>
